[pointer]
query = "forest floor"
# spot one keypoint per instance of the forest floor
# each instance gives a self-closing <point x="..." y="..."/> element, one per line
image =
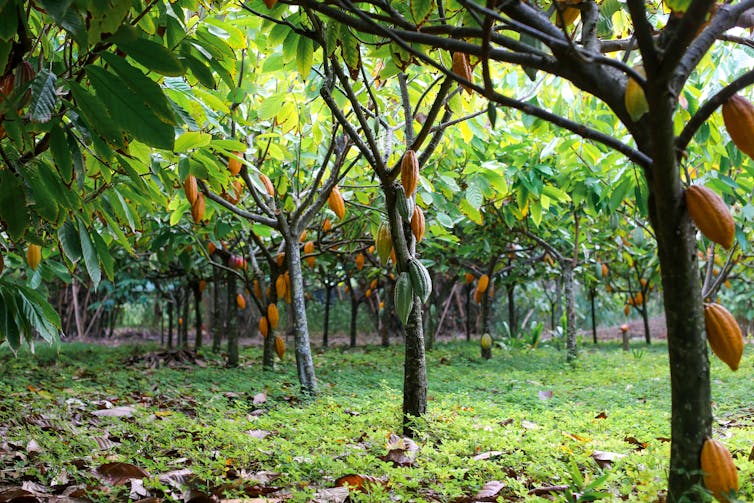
<point x="90" y="423"/>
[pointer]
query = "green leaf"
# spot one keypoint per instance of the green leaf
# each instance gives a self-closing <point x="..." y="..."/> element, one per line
<point x="95" y="114"/>
<point x="68" y="17"/>
<point x="45" y="203"/>
<point x="13" y="210"/>
<point x="192" y="139"/>
<point x="420" y="10"/>
<point x="60" y="153"/>
<point x="128" y="111"/>
<point x="201" y="71"/>
<point x="43" y="96"/>
<point x="89" y="253"/>
<point x="349" y="46"/>
<point x="152" y="55"/>
<point x="68" y="237"/>
<point x="103" y="252"/>
<point x="474" y="195"/>
<point x="8" y="20"/>
<point x="305" y="56"/>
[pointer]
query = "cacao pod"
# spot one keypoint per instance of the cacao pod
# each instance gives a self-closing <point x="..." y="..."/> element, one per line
<point x="264" y="327"/>
<point x="409" y="172"/>
<point x="720" y="474"/>
<point x="302" y="237"/>
<point x="486" y="341"/>
<point x="420" y="279"/>
<point x="384" y="242"/>
<point x="270" y="4"/>
<point x="462" y="68"/>
<point x="281" y="287"/>
<point x="211" y="248"/>
<point x="190" y="188"/>
<point x="624" y="327"/>
<point x="478" y="296"/>
<point x="643" y="282"/>
<point x="308" y="250"/>
<point x="241" y="301"/>
<point x="404" y="297"/>
<point x="326" y="225"/>
<point x="197" y="209"/>
<point x="287" y="278"/>
<point x="370" y="249"/>
<point x="710" y="215"/>
<point x="626" y="309"/>
<point x="279" y="346"/>
<point x="202" y="285"/>
<point x="234" y="163"/>
<point x="368" y="293"/>
<point x="634" y="97"/>
<point x="257" y="289"/>
<point x="404" y="205"/>
<point x="359" y="261"/>
<point x="280" y="259"/>
<point x="267" y="184"/>
<point x="638" y="299"/>
<point x="273" y="316"/>
<point x="483" y="283"/>
<point x="723" y="334"/>
<point x="604" y="270"/>
<point x="738" y="116"/>
<point x="373" y="284"/>
<point x="469" y="278"/>
<point x="392" y="256"/>
<point x="33" y="256"/>
<point x="566" y="16"/>
<point x="336" y="203"/>
<point x="417" y="223"/>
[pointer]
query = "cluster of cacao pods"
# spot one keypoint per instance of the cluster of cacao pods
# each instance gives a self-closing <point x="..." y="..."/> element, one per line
<point x="481" y="288"/>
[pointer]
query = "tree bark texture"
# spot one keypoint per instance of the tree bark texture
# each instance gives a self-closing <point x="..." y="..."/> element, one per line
<point x="232" y="321"/>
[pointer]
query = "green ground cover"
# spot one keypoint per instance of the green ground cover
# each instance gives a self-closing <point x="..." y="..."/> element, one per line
<point x="98" y="424"/>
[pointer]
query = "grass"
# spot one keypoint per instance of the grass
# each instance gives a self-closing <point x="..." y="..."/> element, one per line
<point x="535" y="419"/>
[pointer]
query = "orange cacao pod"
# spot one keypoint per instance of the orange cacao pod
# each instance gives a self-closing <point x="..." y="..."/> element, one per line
<point x="469" y="278"/>
<point x="302" y="237"/>
<point x="462" y="68"/>
<point x="33" y="256"/>
<point x="267" y="184"/>
<point x="724" y="334"/>
<point x="417" y="223"/>
<point x="279" y="346"/>
<point x="264" y="328"/>
<point x="308" y="250"/>
<point x="711" y="215"/>
<point x="326" y="225"/>
<point x="281" y="287"/>
<point x="359" y="261"/>
<point x="287" y="278"/>
<point x="484" y="281"/>
<point x="197" y="209"/>
<point x="569" y="15"/>
<point x="336" y="203"/>
<point x="190" y="188"/>
<point x="720" y="474"/>
<point x="273" y="316"/>
<point x="234" y="164"/>
<point x="241" y="301"/>
<point x="409" y="172"/>
<point x="270" y="4"/>
<point x="626" y="309"/>
<point x="478" y="296"/>
<point x="202" y="285"/>
<point x="280" y="259"/>
<point x="738" y="116"/>
<point x="257" y="289"/>
<point x="604" y="270"/>
<point x="211" y="248"/>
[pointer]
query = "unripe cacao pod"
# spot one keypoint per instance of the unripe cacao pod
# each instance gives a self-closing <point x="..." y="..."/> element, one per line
<point x="405" y="205"/>
<point x="264" y="327"/>
<point x="33" y="256"/>
<point x="234" y="164"/>
<point x="710" y="215"/>
<point x="417" y="223"/>
<point x="197" y="209"/>
<point x="404" y="297"/>
<point x="738" y="116"/>
<point x="723" y="334"/>
<point x="359" y="261"/>
<point x="719" y="472"/>
<point x="241" y="301"/>
<point x="273" y="316"/>
<point x="462" y="68"/>
<point x="634" y="98"/>
<point x="279" y="346"/>
<point x="383" y="242"/>
<point x="486" y="341"/>
<point x="483" y="282"/>
<point x="267" y="184"/>
<point x="420" y="279"/>
<point x="190" y="188"/>
<point x="409" y="172"/>
<point x="336" y="203"/>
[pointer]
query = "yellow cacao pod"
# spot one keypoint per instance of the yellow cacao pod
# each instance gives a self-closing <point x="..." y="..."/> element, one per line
<point x="723" y="334"/>
<point x="273" y="316"/>
<point x="738" y="116"/>
<point x="417" y="223"/>
<point x="264" y="328"/>
<point x="483" y="282"/>
<point x="383" y="242"/>
<point x="409" y="172"/>
<point x="240" y="301"/>
<point x="634" y="97"/>
<point x="326" y="225"/>
<point x="336" y="203"/>
<point x="711" y="215"/>
<point x="281" y="287"/>
<point x="719" y="472"/>
<point x="359" y="261"/>
<point x="191" y="189"/>
<point x="478" y="296"/>
<point x="267" y="184"/>
<point x="486" y="341"/>
<point x="197" y="209"/>
<point x="279" y="346"/>
<point x="234" y="164"/>
<point x="34" y="256"/>
<point x="462" y="68"/>
<point x="308" y="250"/>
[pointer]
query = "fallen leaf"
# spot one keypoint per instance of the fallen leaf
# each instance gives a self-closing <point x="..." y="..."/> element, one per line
<point x="359" y="482"/>
<point x="259" y="433"/>
<point x="32" y="447"/>
<point x="529" y="425"/>
<point x="120" y="473"/>
<point x="123" y="411"/>
<point x="331" y="495"/>
<point x="601" y="415"/>
<point x="577" y="437"/>
<point x="506" y="422"/>
<point x="489" y="491"/>
<point x="259" y="398"/>
<point x="138" y="490"/>
<point x="488" y="455"/>
<point x="538" y="491"/>
<point x="606" y="459"/>
<point x="545" y="395"/>
<point x="633" y="441"/>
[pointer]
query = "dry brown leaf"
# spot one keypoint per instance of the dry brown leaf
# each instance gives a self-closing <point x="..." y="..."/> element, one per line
<point x="528" y="425"/>
<point x="601" y="415"/>
<point x="120" y="473"/>
<point x="605" y="459"/>
<point x="633" y="441"/>
<point x="33" y="447"/>
<point x="359" y="482"/>
<point x="331" y="495"/>
<point x="258" y="433"/>
<point x="124" y="411"/>
<point x="489" y="491"/>
<point x="488" y="455"/>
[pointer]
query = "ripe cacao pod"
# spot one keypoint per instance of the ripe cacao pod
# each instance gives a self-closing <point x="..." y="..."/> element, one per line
<point x="604" y="270"/>
<point x="241" y="301"/>
<point x="302" y="237"/>
<point x="710" y="215"/>
<point x="723" y="334"/>
<point x="420" y="279"/>
<point x="279" y="346"/>
<point x="202" y="285"/>
<point x="483" y="283"/>
<point x="738" y="116"/>
<point x="264" y="327"/>
<point x="638" y="299"/>
<point x="720" y="475"/>
<point x="211" y="248"/>
<point x="462" y="68"/>
<point x="359" y="261"/>
<point x="267" y="184"/>
<point x="33" y="256"/>
<point x="373" y="284"/>
<point x="486" y="341"/>
<point x="308" y="250"/>
<point x="383" y="242"/>
<point x="197" y="209"/>
<point x="234" y="164"/>
<point x="626" y="309"/>
<point x="469" y="278"/>
<point x="409" y="172"/>
<point x="336" y="203"/>
<point x="281" y="287"/>
<point x="280" y="259"/>
<point x="287" y="278"/>
<point x="634" y="97"/>
<point x="404" y="297"/>
<point x="270" y="4"/>
<point x="257" y="289"/>
<point x="478" y="296"/>
<point x="190" y="188"/>
<point x="404" y="205"/>
<point x="273" y="316"/>
<point x="326" y="225"/>
<point x="417" y="223"/>
<point x="567" y="15"/>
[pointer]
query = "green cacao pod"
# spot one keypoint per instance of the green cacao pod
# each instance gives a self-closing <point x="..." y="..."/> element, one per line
<point x="404" y="296"/>
<point x="383" y="242"/>
<point x="404" y="204"/>
<point x="420" y="279"/>
<point x="486" y="341"/>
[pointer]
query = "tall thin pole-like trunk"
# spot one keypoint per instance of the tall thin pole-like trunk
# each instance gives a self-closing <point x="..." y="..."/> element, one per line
<point x="592" y="295"/>
<point x="645" y="319"/>
<point x="184" y="327"/>
<point x="171" y="307"/>
<point x="467" y="308"/>
<point x="354" y="316"/>
<point x="217" y="324"/>
<point x="326" y="321"/>
<point x="570" y="294"/>
<point x="268" y="347"/>
<point x="232" y="321"/>
<point x="197" y="316"/>
<point x="510" y="291"/>
<point x="384" y="315"/>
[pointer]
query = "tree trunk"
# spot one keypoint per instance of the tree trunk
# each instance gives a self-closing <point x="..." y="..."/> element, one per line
<point x="467" y="310"/>
<point x="484" y="311"/>
<point x="592" y="295"/>
<point x="217" y="325"/>
<point x="171" y="306"/>
<point x="510" y="290"/>
<point x="354" y="316"/>
<point x="384" y="315"/>
<point x="414" y="371"/>
<point x="645" y="319"/>
<point x="197" y="316"/>
<point x="232" y="321"/>
<point x="558" y="307"/>
<point x="570" y="328"/>
<point x="268" y="347"/>
<point x="304" y="362"/>
<point x="326" y="327"/>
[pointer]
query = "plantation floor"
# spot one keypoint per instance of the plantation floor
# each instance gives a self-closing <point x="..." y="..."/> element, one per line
<point x="93" y="423"/>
